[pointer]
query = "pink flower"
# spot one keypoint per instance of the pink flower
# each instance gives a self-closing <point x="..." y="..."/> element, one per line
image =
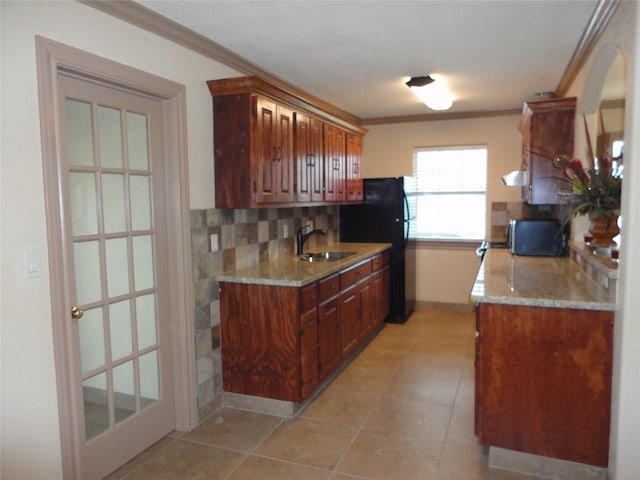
<point x="575" y="171"/>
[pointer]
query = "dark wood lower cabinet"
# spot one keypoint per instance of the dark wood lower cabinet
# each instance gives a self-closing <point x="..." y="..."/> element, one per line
<point x="281" y="342"/>
<point x="258" y="349"/>
<point x="543" y="381"/>
<point x="329" y="337"/>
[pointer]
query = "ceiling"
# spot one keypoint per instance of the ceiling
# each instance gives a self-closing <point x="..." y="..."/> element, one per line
<point x="356" y="55"/>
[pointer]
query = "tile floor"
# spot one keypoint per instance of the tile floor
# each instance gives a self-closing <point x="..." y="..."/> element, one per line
<point x="403" y="409"/>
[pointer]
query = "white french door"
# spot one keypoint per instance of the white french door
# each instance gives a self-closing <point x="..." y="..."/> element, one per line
<point x="116" y="272"/>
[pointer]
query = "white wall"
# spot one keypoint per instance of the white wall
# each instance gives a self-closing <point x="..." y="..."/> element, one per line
<point x="29" y="412"/>
<point x="446" y="276"/>
<point x="623" y="33"/>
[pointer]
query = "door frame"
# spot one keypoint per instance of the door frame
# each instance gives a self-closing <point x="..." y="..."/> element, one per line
<point x="53" y="57"/>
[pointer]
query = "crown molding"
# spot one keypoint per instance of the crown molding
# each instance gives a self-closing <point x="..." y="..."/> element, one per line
<point x="431" y="117"/>
<point x="142" y="17"/>
<point x="591" y="34"/>
<point x="146" y="19"/>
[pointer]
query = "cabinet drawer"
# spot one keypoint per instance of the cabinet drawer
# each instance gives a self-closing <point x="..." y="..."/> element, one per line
<point x="309" y="297"/>
<point x="328" y="287"/>
<point x="380" y="261"/>
<point x="354" y="274"/>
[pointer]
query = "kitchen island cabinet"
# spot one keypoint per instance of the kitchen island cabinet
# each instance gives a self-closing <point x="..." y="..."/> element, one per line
<point x="544" y="381"/>
<point x="544" y="341"/>
<point x="282" y="337"/>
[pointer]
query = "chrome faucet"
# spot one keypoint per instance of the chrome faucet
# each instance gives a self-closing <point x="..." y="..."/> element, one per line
<point x="301" y="238"/>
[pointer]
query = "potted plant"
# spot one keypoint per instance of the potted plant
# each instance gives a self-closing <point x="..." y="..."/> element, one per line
<point x="594" y="191"/>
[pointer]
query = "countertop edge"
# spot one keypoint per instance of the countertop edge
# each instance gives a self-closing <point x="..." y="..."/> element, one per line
<point x="543" y="302"/>
<point x="251" y="275"/>
<point x="494" y="288"/>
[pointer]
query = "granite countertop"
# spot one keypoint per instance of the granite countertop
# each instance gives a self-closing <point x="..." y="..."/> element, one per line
<point x="536" y="281"/>
<point x="292" y="272"/>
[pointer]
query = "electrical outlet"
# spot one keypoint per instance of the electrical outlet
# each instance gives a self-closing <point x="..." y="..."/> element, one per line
<point x="214" y="239"/>
<point x="285" y="230"/>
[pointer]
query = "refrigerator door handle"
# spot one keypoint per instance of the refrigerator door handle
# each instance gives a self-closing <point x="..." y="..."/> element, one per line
<point x="407" y="220"/>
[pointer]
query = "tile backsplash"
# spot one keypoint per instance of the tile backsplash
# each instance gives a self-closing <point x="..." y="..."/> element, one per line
<point x="223" y="240"/>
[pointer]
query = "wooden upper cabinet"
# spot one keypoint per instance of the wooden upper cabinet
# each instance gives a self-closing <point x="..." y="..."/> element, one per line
<point x="334" y="164"/>
<point x="309" y="158"/>
<point x="547" y="130"/>
<point x="353" y="166"/>
<point x="273" y="148"/>
<point x="273" y="158"/>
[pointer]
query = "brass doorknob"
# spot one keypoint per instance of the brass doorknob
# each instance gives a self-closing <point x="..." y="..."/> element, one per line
<point x="76" y="312"/>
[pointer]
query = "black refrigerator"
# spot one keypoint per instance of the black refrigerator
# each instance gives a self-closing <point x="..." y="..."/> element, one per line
<point x="383" y="217"/>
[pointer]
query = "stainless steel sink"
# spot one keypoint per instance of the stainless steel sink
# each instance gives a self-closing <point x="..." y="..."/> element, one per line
<point x="328" y="256"/>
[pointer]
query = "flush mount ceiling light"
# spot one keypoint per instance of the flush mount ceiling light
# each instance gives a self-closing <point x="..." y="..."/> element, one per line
<point x="431" y="92"/>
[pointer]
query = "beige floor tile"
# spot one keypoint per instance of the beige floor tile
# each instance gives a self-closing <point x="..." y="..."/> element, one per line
<point x="261" y="468"/>
<point x="466" y="395"/>
<point x="341" y="405"/>
<point x="187" y="460"/>
<point x="464" y="459"/>
<point x="434" y="386"/>
<point x="445" y="347"/>
<point x="495" y="474"/>
<point x="130" y="466"/>
<point x="411" y="418"/>
<point x="389" y="357"/>
<point x="342" y="476"/>
<point x="387" y="456"/>
<point x="461" y="428"/>
<point x="309" y="442"/>
<point x="363" y="378"/>
<point x="235" y="429"/>
<point x="391" y="342"/>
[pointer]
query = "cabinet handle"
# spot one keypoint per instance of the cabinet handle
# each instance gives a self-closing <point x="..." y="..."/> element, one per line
<point x="310" y="160"/>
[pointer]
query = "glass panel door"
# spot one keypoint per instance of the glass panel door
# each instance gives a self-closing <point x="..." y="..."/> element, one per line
<point x="113" y="237"/>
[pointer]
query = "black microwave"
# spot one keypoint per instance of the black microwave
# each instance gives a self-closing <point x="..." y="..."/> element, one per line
<point x="537" y="237"/>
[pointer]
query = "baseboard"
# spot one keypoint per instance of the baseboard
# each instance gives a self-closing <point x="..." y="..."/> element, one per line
<point x="543" y="467"/>
<point x="451" y="307"/>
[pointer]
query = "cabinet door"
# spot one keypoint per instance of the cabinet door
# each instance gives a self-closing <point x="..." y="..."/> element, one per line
<point x="265" y="143"/>
<point x="328" y="338"/>
<point x="547" y="131"/>
<point x="379" y="302"/>
<point x="349" y="320"/>
<point x="284" y="156"/>
<point x="334" y="160"/>
<point x="273" y="152"/>
<point x="309" y="352"/>
<point x="544" y="381"/>
<point x="365" y="323"/>
<point x="353" y="166"/>
<point x="308" y="153"/>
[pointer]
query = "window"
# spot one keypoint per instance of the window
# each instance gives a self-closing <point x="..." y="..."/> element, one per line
<point x="447" y="193"/>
